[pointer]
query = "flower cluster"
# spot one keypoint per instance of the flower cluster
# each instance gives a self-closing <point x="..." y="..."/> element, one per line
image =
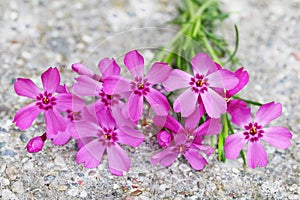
<point x="110" y="122"/>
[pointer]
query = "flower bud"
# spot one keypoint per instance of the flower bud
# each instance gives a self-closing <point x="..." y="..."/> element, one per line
<point x="82" y="70"/>
<point x="36" y="144"/>
<point x="164" y="138"/>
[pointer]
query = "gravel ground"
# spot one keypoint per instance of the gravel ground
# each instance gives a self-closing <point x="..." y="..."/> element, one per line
<point x="38" y="34"/>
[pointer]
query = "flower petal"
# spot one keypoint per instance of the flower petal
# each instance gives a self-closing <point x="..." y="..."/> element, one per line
<point x="279" y="137"/>
<point x="86" y="128"/>
<point x="214" y="104"/>
<point x="69" y="102"/>
<point x="105" y="118"/>
<point x="165" y="157"/>
<point x="130" y="136"/>
<point x="196" y="160"/>
<point x="241" y="116"/>
<point x="50" y="79"/>
<point x="256" y="155"/>
<point x="177" y="79"/>
<point x="192" y="121"/>
<point x="87" y="86"/>
<point x="116" y="85"/>
<point x="26" y="88"/>
<point x="186" y="103"/>
<point x="158" y="73"/>
<point x="26" y="115"/>
<point x="158" y="102"/>
<point x="243" y="77"/>
<point x="108" y="67"/>
<point x="54" y="122"/>
<point x="203" y="64"/>
<point x="135" y="106"/>
<point x="210" y="127"/>
<point x="234" y="144"/>
<point x="82" y="70"/>
<point x="234" y="104"/>
<point x="90" y="154"/>
<point x="118" y="159"/>
<point x="222" y="79"/>
<point x="168" y="122"/>
<point x="61" y="138"/>
<point x="134" y="61"/>
<point x="268" y="112"/>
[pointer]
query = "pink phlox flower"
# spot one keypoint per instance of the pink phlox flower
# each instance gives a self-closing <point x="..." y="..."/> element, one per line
<point x="203" y="87"/>
<point x="71" y="117"/>
<point x="36" y="144"/>
<point x="186" y="141"/>
<point x="140" y="86"/>
<point x="233" y="105"/>
<point x="253" y="131"/>
<point x="48" y="102"/>
<point x="99" y="132"/>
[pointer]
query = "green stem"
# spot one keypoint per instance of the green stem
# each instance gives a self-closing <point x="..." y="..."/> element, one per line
<point x="247" y="101"/>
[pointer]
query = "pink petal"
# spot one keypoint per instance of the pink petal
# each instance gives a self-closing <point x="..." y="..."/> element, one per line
<point x="192" y="121"/>
<point x="202" y="64"/>
<point x="158" y="73"/>
<point x="168" y="122"/>
<point x="61" y="138"/>
<point x="86" y="129"/>
<point x="54" y="122"/>
<point x="177" y="79"/>
<point x="135" y="106"/>
<point x="279" y="137"/>
<point x="158" y="102"/>
<point x="134" y="61"/>
<point x="165" y="157"/>
<point x="222" y="79"/>
<point x="118" y="158"/>
<point x="35" y="144"/>
<point x="241" y="116"/>
<point x="70" y="102"/>
<point x="210" y="127"/>
<point x="233" y="145"/>
<point x="62" y="89"/>
<point x="105" y="119"/>
<point x="256" y="155"/>
<point x="108" y="67"/>
<point x="115" y="172"/>
<point x="196" y="160"/>
<point x="268" y="112"/>
<point x="164" y="138"/>
<point x="186" y="103"/>
<point x="82" y="70"/>
<point x="120" y="119"/>
<point x="234" y="104"/>
<point x="87" y="86"/>
<point x="116" y="85"/>
<point x="26" y="88"/>
<point x="243" y="77"/>
<point x="50" y="79"/>
<point x="90" y="154"/>
<point x="130" y="136"/>
<point x="214" y="104"/>
<point x="26" y="115"/>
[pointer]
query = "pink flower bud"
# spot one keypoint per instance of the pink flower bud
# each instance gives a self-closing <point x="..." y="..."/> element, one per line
<point x="36" y="144"/>
<point x="82" y="70"/>
<point x="164" y="138"/>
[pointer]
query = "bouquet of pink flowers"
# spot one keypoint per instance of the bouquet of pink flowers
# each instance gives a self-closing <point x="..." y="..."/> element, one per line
<point x="206" y="107"/>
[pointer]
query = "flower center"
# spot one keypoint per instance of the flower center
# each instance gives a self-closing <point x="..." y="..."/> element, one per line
<point x="253" y="132"/>
<point x="198" y="83"/>
<point x="109" y="100"/>
<point x="73" y="115"/>
<point x="140" y="86"/>
<point x="45" y="101"/>
<point x="108" y="136"/>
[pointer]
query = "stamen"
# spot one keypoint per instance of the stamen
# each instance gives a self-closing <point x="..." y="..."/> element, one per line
<point x="45" y="100"/>
<point x="200" y="83"/>
<point x="107" y="136"/>
<point x="141" y="86"/>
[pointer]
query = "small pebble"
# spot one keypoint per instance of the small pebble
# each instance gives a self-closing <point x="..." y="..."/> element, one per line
<point x="49" y="178"/>
<point x="2" y="144"/>
<point x="62" y="187"/>
<point x="18" y="187"/>
<point x="4" y="181"/>
<point x="8" y="195"/>
<point x="80" y="174"/>
<point x="136" y="193"/>
<point x="23" y="137"/>
<point x="8" y="152"/>
<point x="83" y="194"/>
